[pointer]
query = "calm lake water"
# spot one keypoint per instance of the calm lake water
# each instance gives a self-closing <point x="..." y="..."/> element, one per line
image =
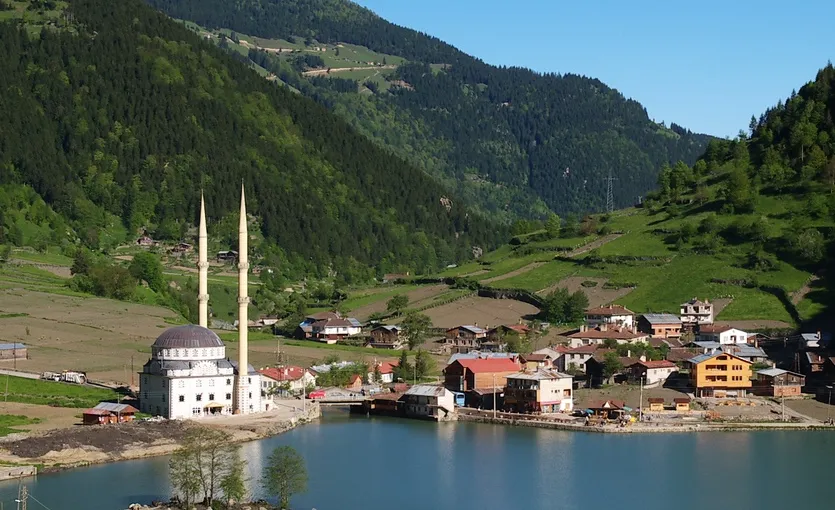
<point x="385" y="463"/>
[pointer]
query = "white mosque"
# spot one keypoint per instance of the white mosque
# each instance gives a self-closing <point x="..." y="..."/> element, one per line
<point x="189" y="375"/>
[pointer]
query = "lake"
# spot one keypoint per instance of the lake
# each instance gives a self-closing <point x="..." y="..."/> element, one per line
<point x="387" y="463"/>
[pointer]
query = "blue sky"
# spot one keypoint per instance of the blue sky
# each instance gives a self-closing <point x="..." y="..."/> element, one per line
<point x="707" y="65"/>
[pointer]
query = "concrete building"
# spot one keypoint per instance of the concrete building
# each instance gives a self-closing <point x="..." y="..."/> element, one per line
<point x="189" y="375"/>
<point x="724" y="334"/>
<point x="610" y="314"/>
<point x="295" y="379"/>
<point x="108" y="412"/>
<point x="660" y="325"/>
<point x="696" y="311"/>
<point x="478" y="374"/>
<point x="540" y="391"/>
<point x="652" y="372"/>
<point x="13" y="351"/>
<point x="776" y="382"/>
<point x="720" y="375"/>
<point x="426" y="401"/>
<point x="603" y="332"/>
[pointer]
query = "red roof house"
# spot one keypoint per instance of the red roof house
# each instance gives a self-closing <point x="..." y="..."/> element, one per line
<point x="482" y="373"/>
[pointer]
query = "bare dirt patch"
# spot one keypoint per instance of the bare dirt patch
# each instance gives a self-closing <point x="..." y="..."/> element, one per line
<point x="417" y="297"/>
<point x="517" y="272"/>
<point x="812" y="408"/>
<point x="51" y="417"/>
<point x="720" y="304"/>
<point x="485" y="312"/>
<point x="62" y="271"/>
<point x="99" y="336"/>
<point x="597" y="295"/>
<point x="798" y="296"/>
<point x="630" y="394"/>
<point x="759" y="324"/>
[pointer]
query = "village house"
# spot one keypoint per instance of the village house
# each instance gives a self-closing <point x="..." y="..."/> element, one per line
<point x="575" y="358"/>
<point x="722" y="333"/>
<point x="473" y="374"/>
<point x="426" y="401"/>
<point x="393" y="277"/>
<point x="386" y="337"/>
<point x="108" y="412"/>
<point x="482" y="355"/>
<point x="696" y="312"/>
<point x="181" y="248"/>
<point x="720" y="375"/>
<point x="607" y="409"/>
<point x="535" y="361"/>
<point x="145" y="241"/>
<point x="226" y="256"/>
<point x="603" y="332"/>
<point x="466" y="338"/>
<point x="776" y="382"/>
<point x="13" y="351"/>
<point x="682" y="404"/>
<point x="386" y="370"/>
<point x="355" y="383"/>
<point x="610" y="314"/>
<point x="745" y="351"/>
<point x="328" y="327"/>
<point x="660" y="325"/>
<point x="539" y="391"/>
<point x="652" y="372"/>
<point x="290" y="379"/>
<point x="595" y="367"/>
<point x="496" y="334"/>
<point x="812" y="363"/>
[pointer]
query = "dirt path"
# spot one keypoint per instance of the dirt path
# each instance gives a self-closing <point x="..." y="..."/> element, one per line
<point x="418" y="296"/>
<point x="521" y="270"/>
<point x="597" y="243"/>
<point x="62" y="271"/>
<point x="598" y="296"/>
<point x="720" y="304"/>
<point x="320" y="72"/>
<point x="798" y="296"/>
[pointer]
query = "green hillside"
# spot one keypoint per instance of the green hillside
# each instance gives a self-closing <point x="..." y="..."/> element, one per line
<point x="512" y="142"/>
<point x="117" y="117"/>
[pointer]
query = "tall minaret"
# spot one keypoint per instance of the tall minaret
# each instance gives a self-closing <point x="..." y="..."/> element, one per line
<point x="203" y="268"/>
<point x="243" y="402"/>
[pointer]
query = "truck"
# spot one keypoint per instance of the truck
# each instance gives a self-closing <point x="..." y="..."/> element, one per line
<point x="67" y="376"/>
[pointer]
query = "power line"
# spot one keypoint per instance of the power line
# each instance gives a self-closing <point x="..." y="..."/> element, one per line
<point x="610" y="199"/>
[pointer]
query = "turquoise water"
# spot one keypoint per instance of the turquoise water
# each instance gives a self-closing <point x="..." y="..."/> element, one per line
<point x="385" y="463"/>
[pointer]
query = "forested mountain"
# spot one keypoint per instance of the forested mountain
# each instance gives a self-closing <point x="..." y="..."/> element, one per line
<point x="116" y="114"/>
<point x="513" y="141"/>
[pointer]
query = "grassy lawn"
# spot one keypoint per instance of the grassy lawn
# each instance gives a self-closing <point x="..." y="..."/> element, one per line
<point x="8" y="421"/>
<point x="52" y="257"/>
<point x="370" y="296"/>
<point x="340" y="347"/>
<point x="540" y="278"/>
<point x="56" y="394"/>
<point x="512" y="264"/>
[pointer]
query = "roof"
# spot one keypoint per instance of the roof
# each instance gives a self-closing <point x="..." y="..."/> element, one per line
<point x="355" y="377"/>
<point x="682" y="400"/>
<point x="610" y="310"/>
<point x="774" y="372"/>
<point x="112" y="407"/>
<point x="488" y="365"/>
<point x="655" y="400"/>
<point x="251" y="370"/>
<point x="332" y="323"/>
<point x="744" y="351"/>
<point x="322" y="369"/>
<point x="535" y="357"/>
<point x="291" y="373"/>
<point x="813" y="358"/>
<point x="189" y="336"/>
<point x="480" y="355"/>
<point x="810" y="337"/>
<point x="610" y="332"/>
<point x="696" y="301"/>
<point x="354" y="322"/>
<point x="519" y="328"/>
<point x="681" y="354"/>
<point x="606" y="404"/>
<point x="657" y="364"/>
<point x="715" y="328"/>
<point x="10" y="347"/>
<point x="704" y="357"/>
<point x="389" y="328"/>
<point x="661" y="318"/>
<point x="97" y="412"/>
<point x="539" y="375"/>
<point x="554" y="353"/>
<point x="707" y="344"/>
<point x="582" y="349"/>
<point x="427" y="390"/>
<point x="472" y="329"/>
<point x="387" y="367"/>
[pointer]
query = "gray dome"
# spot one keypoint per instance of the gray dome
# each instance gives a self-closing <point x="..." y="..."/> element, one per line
<point x="188" y="337"/>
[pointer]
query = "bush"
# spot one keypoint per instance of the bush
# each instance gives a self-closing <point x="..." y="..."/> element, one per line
<point x="589" y="283"/>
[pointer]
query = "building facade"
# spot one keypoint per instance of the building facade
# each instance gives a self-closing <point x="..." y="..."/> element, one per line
<point x="723" y="334"/>
<point x="386" y="337"/>
<point x="540" y="391"/>
<point x="696" y="311"/>
<point x="660" y="325"/>
<point x="605" y="331"/>
<point x="776" y="382"/>
<point x="720" y="375"/>
<point x="652" y="372"/>
<point x="426" y="401"/>
<point x="610" y="314"/>
<point x="476" y="374"/>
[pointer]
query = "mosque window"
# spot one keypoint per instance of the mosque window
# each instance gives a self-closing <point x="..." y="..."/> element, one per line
<point x="199" y="397"/>
<point x="211" y="382"/>
<point x="228" y="382"/>
<point x="182" y="398"/>
<point x="211" y="396"/>
<point x="228" y="396"/>
<point x="199" y="383"/>
<point x="182" y="384"/>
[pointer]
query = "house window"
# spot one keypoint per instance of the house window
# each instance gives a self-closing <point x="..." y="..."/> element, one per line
<point x="250" y="394"/>
<point x="195" y="410"/>
<point x="199" y="397"/>
<point x="182" y="398"/>
<point x="566" y="393"/>
<point x="163" y="397"/>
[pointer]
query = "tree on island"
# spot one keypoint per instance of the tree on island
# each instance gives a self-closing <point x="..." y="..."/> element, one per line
<point x="285" y="475"/>
<point x="397" y="303"/>
<point x="415" y="326"/>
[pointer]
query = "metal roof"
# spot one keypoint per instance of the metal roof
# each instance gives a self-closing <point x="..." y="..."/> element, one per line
<point x="708" y="344"/>
<point x="189" y="336"/>
<point x="662" y="318"/>
<point x="743" y="350"/>
<point x="480" y="355"/>
<point x="9" y="347"/>
<point x="115" y="408"/>
<point x="700" y="358"/>
<point x="773" y="372"/>
<point x="427" y="390"/>
<point x="355" y="322"/>
<point x="250" y="369"/>
<point x="540" y="375"/>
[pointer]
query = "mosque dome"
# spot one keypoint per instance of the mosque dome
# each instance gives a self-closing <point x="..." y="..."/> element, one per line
<point x="190" y="336"/>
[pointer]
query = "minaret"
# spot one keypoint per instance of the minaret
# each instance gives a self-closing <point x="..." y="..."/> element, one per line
<point x="242" y="404"/>
<point x="203" y="268"/>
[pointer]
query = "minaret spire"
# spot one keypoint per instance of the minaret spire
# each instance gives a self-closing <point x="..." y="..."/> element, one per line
<point x="242" y="405"/>
<point x="203" y="268"/>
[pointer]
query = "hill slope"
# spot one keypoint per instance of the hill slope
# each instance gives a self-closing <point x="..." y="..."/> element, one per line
<point x="117" y="115"/>
<point x="513" y="141"/>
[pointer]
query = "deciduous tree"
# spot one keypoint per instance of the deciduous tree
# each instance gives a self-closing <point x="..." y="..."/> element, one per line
<point x="284" y="475"/>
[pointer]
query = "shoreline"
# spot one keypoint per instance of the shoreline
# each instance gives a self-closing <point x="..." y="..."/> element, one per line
<point x="241" y="430"/>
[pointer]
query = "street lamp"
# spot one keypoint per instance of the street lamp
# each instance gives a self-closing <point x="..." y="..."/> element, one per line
<point x="829" y="409"/>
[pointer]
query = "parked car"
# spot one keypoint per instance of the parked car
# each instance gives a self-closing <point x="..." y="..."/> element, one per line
<point x="313" y="395"/>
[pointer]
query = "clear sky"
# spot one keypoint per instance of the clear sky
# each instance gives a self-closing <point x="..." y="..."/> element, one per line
<point x="707" y="65"/>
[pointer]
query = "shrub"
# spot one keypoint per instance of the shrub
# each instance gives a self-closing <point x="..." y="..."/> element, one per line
<point x="589" y="283"/>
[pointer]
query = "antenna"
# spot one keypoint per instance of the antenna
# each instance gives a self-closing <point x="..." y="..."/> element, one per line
<point x="610" y="199"/>
<point x="22" y="496"/>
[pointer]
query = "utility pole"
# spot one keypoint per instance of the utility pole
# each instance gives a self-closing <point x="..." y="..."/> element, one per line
<point x="22" y="496"/>
<point x="132" y="372"/>
<point x="829" y="410"/>
<point x="494" y="396"/>
<point x="641" y="406"/>
<point x="783" y="398"/>
<point x="610" y="198"/>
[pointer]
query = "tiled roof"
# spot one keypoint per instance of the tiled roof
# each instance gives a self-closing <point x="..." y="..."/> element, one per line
<point x="489" y="365"/>
<point x="540" y="375"/>
<point x="427" y="390"/>
<point x="657" y="364"/>
<point x="610" y="310"/>
<point x="582" y="349"/>
<point x="291" y="373"/>
<point x="715" y="328"/>
<point x="387" y="367"/>
<point x="611" y="332"/>
<point x="480" y="355"/>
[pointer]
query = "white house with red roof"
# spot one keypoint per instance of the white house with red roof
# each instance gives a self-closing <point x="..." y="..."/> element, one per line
<point x="603" y="332"/>
<point x="386" y="370"/>
<point x="725" y="334"/>
<point x="297" y="378"/>
<point x="610" y="314"/>
<point x="575" y="358"/>
<point x="652" y="371"/>
<point x="328" y="327"/>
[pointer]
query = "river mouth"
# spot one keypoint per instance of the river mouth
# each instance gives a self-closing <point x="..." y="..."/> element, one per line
<point x="376" y="463"/>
